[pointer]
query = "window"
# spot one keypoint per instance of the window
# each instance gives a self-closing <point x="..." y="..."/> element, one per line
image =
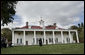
<point x="33" y="40"/>
<point x="37" y="40"/>
<point x="21" y="40"/>
<point x="56" y="40"/>
<point x="43" y="40"/>
<point x="50" y="39"/>
<point x="17" y="40"/>
<point x="68" y="40"/>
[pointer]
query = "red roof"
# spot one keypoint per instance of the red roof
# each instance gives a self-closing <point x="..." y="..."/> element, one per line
<point x="50" y="27"/>
<point x="36" y="27"/>
<point x="25" y="27"/>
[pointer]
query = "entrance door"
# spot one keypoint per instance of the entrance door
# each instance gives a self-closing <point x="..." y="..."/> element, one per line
<point x="26" y="42"/>
<point x="46" y="41"/>
<point x="37" y="40"/>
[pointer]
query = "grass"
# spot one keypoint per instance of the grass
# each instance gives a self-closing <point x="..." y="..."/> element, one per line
<point x="46" y="49"/>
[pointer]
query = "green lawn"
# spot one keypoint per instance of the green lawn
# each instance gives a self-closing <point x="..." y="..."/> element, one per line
<point x="46" y="49"/>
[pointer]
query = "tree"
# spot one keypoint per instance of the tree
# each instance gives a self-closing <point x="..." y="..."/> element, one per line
<point x="80" y="29"/>
<point x="82" y="24"/>
<point x="81" y="35"/>
<point x="7" y="11"/>
<point x="74" y="27"/>
<point x="79" y="25"/>
<point x="6" y="32"/>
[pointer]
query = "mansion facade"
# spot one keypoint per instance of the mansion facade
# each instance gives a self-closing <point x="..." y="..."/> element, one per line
<point x="30" y="35"/>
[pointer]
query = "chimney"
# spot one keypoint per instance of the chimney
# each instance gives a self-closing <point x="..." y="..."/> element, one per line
<point x="54" y="24"/>
<point x="26" y="23"/>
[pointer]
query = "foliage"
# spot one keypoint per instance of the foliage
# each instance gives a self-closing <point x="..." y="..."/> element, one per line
<point x="80" y="29"/>
<point x="6" y="32"/>
<point x="79" y="25"/>
<point x="81" y="35"/>
<point x="82" y="24"/>
<point x="7" y="11"/>
<point x="74" y="27"/>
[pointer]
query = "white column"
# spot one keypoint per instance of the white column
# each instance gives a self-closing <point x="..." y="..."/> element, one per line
<point x="44" y="38"/>
<point x="13" y="38"/>
<point x="77" y="36"/>
<point x="62" y="36"/>
<point x="53" y="38"/>
<point x="70" y="36"/>
<point x="35" y="37"/>
<point x="24" y="37"/>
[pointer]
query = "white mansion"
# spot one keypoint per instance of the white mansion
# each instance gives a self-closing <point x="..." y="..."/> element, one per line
<point x="30" y="35"/>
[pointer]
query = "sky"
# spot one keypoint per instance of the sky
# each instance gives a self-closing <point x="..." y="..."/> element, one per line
<point x="63" y="13"/>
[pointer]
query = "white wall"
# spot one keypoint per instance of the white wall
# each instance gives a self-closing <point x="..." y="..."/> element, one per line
<point x="19" y="36"/>
<point x="30" y="36"/>
<point x="49" y="35"/>
<point x="58" y="35"/>
<point x="39" y="35"/>
<point x="65" y="36"/>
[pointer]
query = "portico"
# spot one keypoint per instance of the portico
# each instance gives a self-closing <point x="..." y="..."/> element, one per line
<point x="52" y="36"/>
